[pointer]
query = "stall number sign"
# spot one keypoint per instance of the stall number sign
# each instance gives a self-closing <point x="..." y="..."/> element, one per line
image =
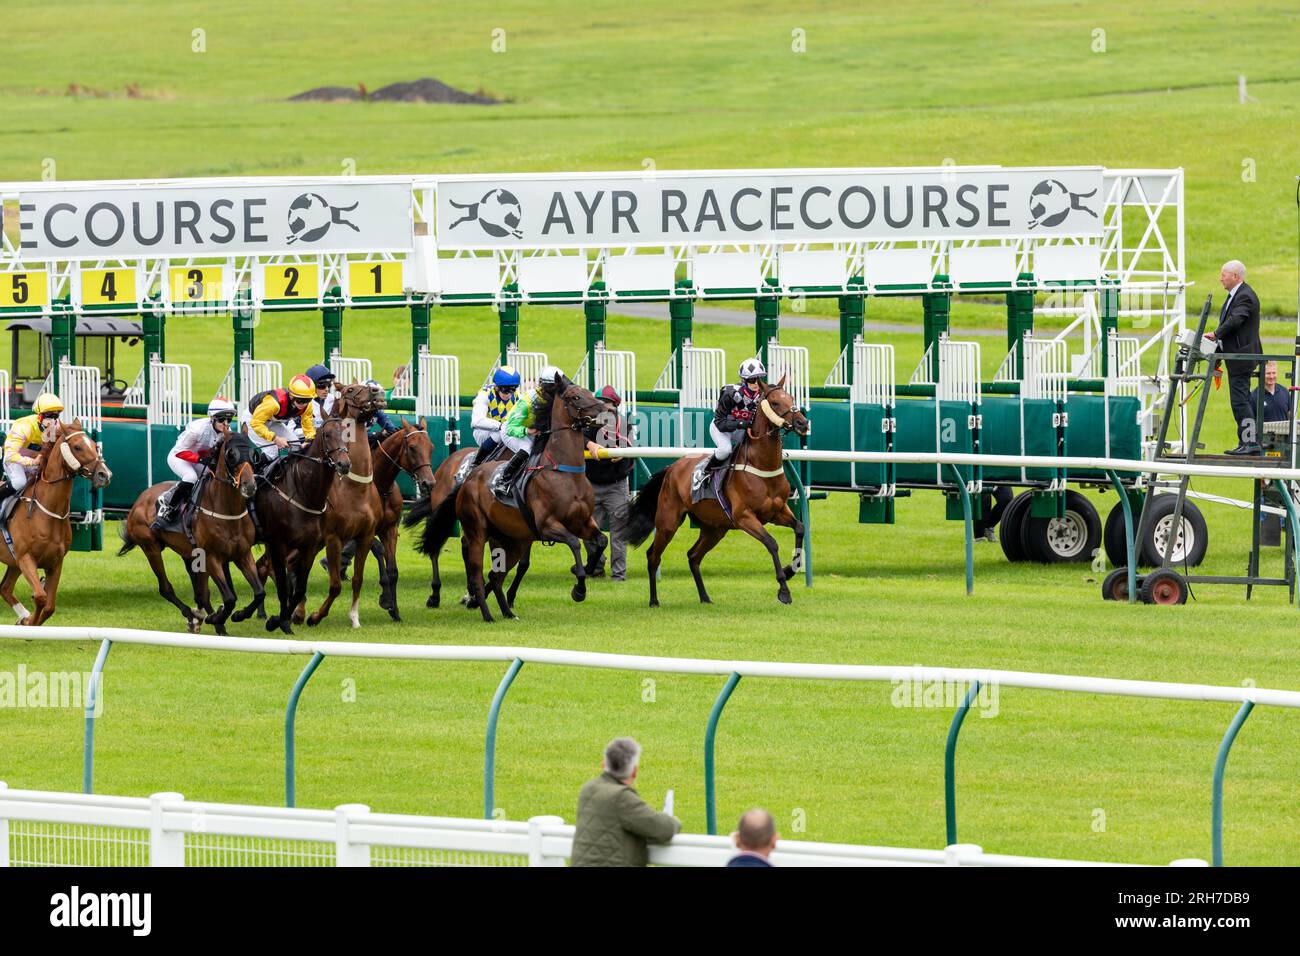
<point x="108" y="287"/>
<point x="370" y="279"/>
<point x="294" y="281"/>
<point x="24" y="290"/>
<point x="195" y="284"/>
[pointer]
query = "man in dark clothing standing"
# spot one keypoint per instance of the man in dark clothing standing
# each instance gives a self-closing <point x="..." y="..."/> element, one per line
<point x="1277" y="401"/>
<point x="608" y="479"/>
<point x="614" y="824"/>
<point x="1238" y="333"/>
<point x="755" y="838"/>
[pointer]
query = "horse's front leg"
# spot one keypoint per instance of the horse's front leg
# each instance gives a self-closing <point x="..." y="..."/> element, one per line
<point x="51" y="590"/>
<point x="557" y="532"/>
<point x="749" y="523"/>
<point x="787" y="519"/>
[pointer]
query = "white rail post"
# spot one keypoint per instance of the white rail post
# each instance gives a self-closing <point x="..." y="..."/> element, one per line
<point x="961" y="854"/>
<point x="4" y="833"/>
<point x="535" y="855"/>
<point x="347" y="852"/>
<point x="166" y="847"/>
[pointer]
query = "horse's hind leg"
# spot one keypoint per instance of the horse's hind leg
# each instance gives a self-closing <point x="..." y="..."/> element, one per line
<point x="520" y="571"/>
<point x="165" y="589"/>
<point x="667" y="521"/>
<point x="221" y="574"/>
<point x="750" y="524"/>
<point x="510" y="554"/>
<point x="202" y="595"/>
<point x="334" y="558"/>
<point x="358" y="574"/>
<point x="248" y="567"/>
<point x="471" y="549"/>
<point x="706" y="542"/>
<point x="7" y="592"/>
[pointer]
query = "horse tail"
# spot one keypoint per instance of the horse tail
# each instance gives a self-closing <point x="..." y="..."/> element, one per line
<point x="438" y="527"/>
<point x="641" y="512"/>
<point x="422" y="508"/>
<point x="127" y="543"/>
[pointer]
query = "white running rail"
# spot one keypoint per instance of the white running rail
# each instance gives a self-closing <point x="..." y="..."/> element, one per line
<point x="40" y="828"/>
<point x="438" y="390"/>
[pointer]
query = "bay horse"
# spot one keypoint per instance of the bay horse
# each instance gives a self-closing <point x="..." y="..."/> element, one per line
<point x="408" y="449"/>
<point x="559" y="500"/>
<point x="222" y="529"/>
<point x="291" y="510"/>
<point x="444" y="483"/>
<point x="756" y="489"/>
<point x="38" y="524"/>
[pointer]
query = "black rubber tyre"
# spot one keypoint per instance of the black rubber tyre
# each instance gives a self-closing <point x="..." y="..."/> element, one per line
<point x="1076" y="537"/>
<point x="1011" y="526"/>
<point x="1163" y="587"/>
<point x="1159" y="519"/>
<point x="1115" y="585"/>
<point x="1112" y="537"/>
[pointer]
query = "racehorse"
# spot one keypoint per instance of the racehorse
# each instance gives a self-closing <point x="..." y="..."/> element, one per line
<point x="39" y="532"/>
<point x="222" y="532"/>
<point x="444" y="483"/>
<point x="353" y="507"/>
<point x="408" y="449"/>
<point x="756" y="490"/>
<point x="559" y="500"/>
<point x="291" y="508"/>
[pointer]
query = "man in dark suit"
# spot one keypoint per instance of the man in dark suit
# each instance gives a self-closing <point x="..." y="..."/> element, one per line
<point x="755" y="838"/>
<point x="1238" y="333"/>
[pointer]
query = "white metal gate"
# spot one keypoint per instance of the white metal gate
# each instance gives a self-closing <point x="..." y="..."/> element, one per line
<point x="617" y="369"/>
<point x="438" y="389"/>
<point x="1046" y="368"/>
<point x="959" y="371"/>
<point x="703" y="375"/>
<point x="79" y="391"/>
<point x="349" y="370"/>
<point x="792" y="362"/>
<point x="873" y="374"/>
<point x="6" y="422"/>
<point x="171" y="396"/>
<point x="529" y="365"/>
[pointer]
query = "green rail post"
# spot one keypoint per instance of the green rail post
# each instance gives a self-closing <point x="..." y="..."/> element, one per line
<point x="681" y="319"/>
<point x="1020" y="318"/>
<point x="1130" y="549"/>
<point x="490" y="751"/>
<point x="1220" y="764"/>
<point x="332" y="323"/>
<point x="936" y="314"/>
<point x="595" y="314"/>
<point x="853" y="309"/>
<point x="950" y="763"/>
<point x="1293" y="521"/>
<point x="767" y="322"/>
<point x="242" y="322"/>
<point x="805" y="515"/>
<point x="509" y="319"/>
<point x="63" y="338"/>
<point x="419" y="339"/>
<point x="290" y="717"/>
<point x="1109" y="315"/>
<point x="970" y="529"/>
<point x="710" y="734"/>
<point x="93" y="698"/>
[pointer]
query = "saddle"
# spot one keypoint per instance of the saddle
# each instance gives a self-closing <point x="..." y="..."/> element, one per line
<point x="468" y="466"/>
<point x="182" y="519"/>
<point x="513" y="494"/>
<point x="7" y="508"/>
<point x="705" y="487"/>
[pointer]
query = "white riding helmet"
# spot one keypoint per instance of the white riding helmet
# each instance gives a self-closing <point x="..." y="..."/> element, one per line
<point x="220" y="406"/>
<point x="549" y="375"/>
<point x="752" y="368"/>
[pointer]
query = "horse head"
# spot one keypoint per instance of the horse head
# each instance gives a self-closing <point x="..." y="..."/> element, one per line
<point x="356" y="399"/>
<point x="332" y="439"/>
<point x="575" y="406"/>
<point x="779" y="408"/>
<point x="240" y="457"/>
<point x="416" y="457"/>
<point x="79" y="454"/>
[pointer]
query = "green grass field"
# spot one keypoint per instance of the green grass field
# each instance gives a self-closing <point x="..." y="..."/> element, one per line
<point x="602" y="86"/>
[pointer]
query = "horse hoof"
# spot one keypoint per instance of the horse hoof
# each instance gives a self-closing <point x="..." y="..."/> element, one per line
<point x="705" y="599"/>
<point x="272" y="623"/>
<point x="783" y="597"/>
<point x="654" y="603"/>
<point x="432" y="601"/>
<point x="311" y="621"/>
<point x="579" y="594"/>
<point x="298" y="617"/>
<point x="238" y="616"/>
<point x="261" y="615"/>
<point x="395" y="616"/>
<point x="194" y="625"/>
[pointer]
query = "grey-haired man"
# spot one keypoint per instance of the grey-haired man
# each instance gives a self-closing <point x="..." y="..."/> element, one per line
<point x="614" y="824"/>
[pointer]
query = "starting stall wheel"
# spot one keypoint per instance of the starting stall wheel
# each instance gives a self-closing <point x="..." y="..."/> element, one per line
<point x="1163" y="587"/>
<point x="1115" y="585"/>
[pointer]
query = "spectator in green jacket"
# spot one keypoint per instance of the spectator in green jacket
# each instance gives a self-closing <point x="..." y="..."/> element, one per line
<point x="614" y="823"/>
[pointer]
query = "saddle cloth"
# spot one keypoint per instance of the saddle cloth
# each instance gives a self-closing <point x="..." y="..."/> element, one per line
<point x="703" y="490"/>
<point x="182" y="519"/>
<point x="513" y="494"/>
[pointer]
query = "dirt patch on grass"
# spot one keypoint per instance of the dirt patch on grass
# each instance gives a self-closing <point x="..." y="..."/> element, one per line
<point x="424" y="90"/>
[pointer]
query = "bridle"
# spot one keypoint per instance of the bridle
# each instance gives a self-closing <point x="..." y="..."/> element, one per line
<point x="406" y="446"/>
<point x="236" y="479"/>
<point x="782" y="424"/>
<point x="70" y="460"/>
<point x="580" y="418"/>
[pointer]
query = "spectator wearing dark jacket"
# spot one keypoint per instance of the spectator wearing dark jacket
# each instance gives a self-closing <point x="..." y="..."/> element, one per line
<point x="1238" y="333"/>
<point x="608" y="479"/>
<point x="755" y="838"/>
<point x="614" y="824"/>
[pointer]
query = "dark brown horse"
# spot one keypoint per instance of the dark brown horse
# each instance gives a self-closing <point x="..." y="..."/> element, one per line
<point x="39" y="523"/>
<point x="408" y="449"/>
<point x="291" y="510"/>
<point x="559" y="501"/>
<point x="223" y="533"/>
<point x="756" y="489"/>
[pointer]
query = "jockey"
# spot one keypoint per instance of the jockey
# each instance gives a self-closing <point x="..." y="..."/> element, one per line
<point x="521" y="426"/>
<point x="187" y="457"/>
<point x="737" y="405"/>
<point x="492" y="406"/>
<point x="323" y="379"/>
<point x="277" y="410"/>
<point x="23" y="443"/>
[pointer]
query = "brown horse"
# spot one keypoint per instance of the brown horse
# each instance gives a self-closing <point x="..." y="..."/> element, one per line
<point x="291" y="510"/>
<point x="559" y="500"/>
<point x="408" y="449"/>
<point x="223" y="532"/>
<point x="353" y="507"/>
<point x="444" y="484"/>
<point x="756" y="489"/>
<point x="39" y="523"/>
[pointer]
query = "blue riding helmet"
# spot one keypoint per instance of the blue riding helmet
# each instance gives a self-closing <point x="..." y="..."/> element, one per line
<point x="320" y="375"/>
<point x="505" y="377"/>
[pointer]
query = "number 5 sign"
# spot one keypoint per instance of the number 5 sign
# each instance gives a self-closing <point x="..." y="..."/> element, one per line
<point x="24" y="290"/>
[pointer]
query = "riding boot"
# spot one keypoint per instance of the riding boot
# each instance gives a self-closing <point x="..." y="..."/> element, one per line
<point x="6" y="489"/>
<point x="481" y="454"/>
<point x="172" y="503"/>
<point x="507" y="474"/>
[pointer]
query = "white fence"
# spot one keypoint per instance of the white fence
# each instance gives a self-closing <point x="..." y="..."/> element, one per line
<point x="529" y="365"/>
<point x="617" y="369"/>
<point x="790" y="361"/>
<point x="79" y="391"/>
<point x="6" y="422"/>
<point x="254" y="375"/>
<point x="40" y="828"/>
<point x="437" y="393"/>
<point x="1046" y="369"/>
<point x="349" y="370"/>
<point x="171" y="395"/>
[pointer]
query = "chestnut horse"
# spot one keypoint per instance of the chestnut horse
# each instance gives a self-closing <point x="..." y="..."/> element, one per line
<point x="39" y="523"/>
<point x="756" y="489"/>
<point x="408" y="449"/>
<point x="223" y="532"/>
<point x="559" y="501"/>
